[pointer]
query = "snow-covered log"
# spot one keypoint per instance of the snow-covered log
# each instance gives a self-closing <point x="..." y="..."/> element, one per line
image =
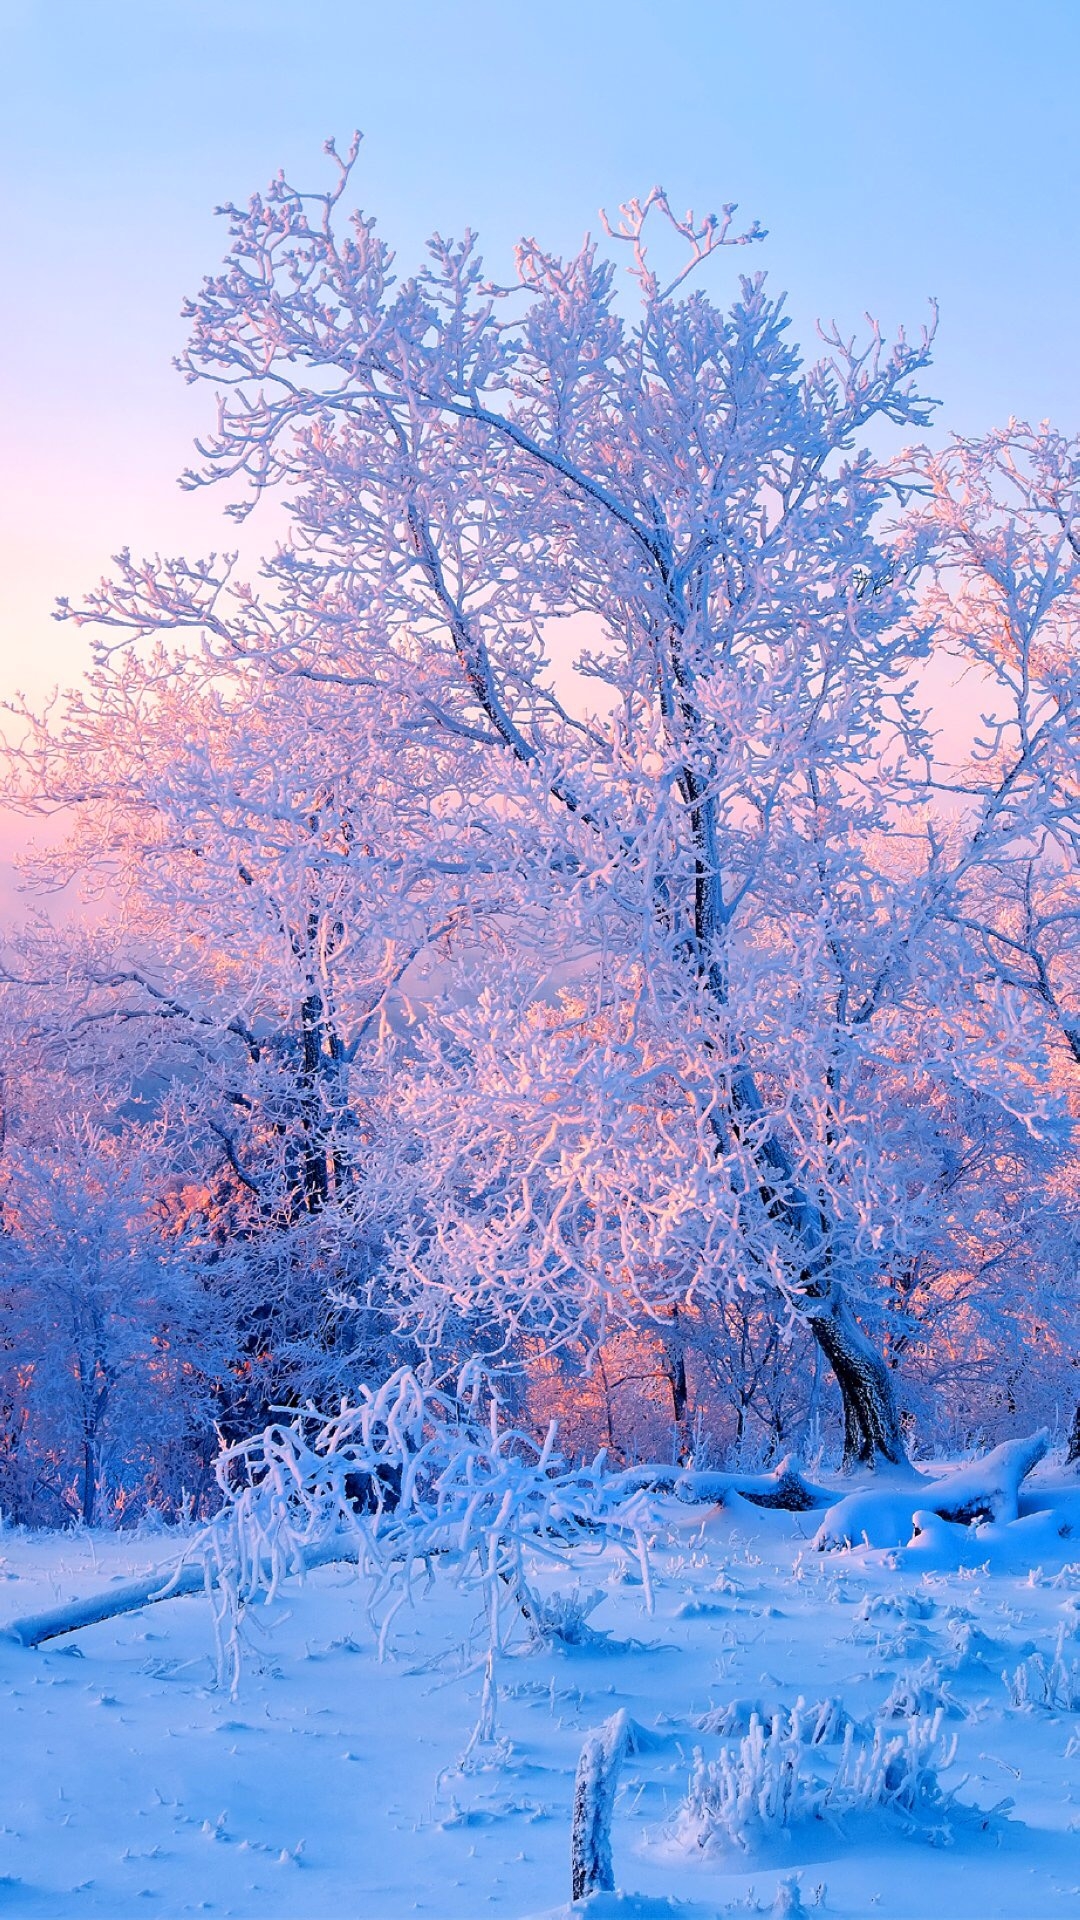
<point x="432" y="1483"/>
<point x="884" y="1515"/>
<point x="784" y="1487"/>
<point x="989" y="1489"/>
<point x="170" y="1583"/>
<point x="35" y="1628"/>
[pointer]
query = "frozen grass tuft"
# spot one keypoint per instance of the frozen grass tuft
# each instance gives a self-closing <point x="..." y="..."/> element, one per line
<point x="777" y="1779"/>
<point x="765" y="1785"/>
<point x="562" y="1618"/>
<point x="1050" y="1685"/>
<point x="897" y="1772"/>
<point x="921" y="1691"/>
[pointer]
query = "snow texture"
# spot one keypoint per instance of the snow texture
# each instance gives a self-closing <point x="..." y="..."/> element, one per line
<point x="440" y="1777"/>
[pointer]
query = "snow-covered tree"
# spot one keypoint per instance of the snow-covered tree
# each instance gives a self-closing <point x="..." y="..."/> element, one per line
<point x="109" y="1341"/>
<point x="720" y="891"/>
<point x="264" y="867"/>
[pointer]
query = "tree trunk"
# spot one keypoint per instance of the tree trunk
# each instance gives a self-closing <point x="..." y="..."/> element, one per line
<point x="89" y="1483"/>
<point x="674" y="1364"/>
<point x="1072" y="1458"/>
<point x="872" y="1430"/>
<point x="674" y="1367"/>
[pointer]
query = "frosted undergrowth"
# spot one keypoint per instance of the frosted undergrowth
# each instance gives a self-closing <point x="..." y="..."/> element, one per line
<point x="823" y="1723"/>
<point x="1052" y="1685"/>
<point x="921" y="1691"/>
<point x="781" y="1776"/>
<point x="466" y="1759"/>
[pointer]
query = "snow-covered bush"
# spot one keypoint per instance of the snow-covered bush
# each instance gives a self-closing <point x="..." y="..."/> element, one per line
<point x="886" y="1608"/>
<point x="731" y="1719"/>
<point x="412" y="1477"/>
<point x="976" y="1654"/>
<point x="823" y="1723"/>
<point x="765" y="1784"/>
<point x="564" y="1617"/>
<point x="897" y="1772"/>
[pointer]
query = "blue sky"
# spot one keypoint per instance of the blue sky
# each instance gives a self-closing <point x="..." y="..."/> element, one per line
<point x="893" y="153"/>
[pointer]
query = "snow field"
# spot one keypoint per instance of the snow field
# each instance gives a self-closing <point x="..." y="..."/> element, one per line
<point x="436" y="1782"/>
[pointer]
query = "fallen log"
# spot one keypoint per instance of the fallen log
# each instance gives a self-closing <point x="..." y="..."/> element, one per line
<point x="784" y="1487"/>
<point x="177" y="1583"/>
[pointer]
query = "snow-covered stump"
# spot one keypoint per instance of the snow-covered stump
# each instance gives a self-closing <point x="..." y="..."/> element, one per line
<point x="591" y="1869"/>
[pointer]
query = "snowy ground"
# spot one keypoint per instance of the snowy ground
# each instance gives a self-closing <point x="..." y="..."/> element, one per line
<point x="334" y="1785"/>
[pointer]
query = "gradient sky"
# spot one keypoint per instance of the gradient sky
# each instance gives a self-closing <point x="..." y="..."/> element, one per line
<point x="893" y="152"/>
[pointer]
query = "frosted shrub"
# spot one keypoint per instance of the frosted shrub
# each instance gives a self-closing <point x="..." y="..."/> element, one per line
<point x="764" y="1785"/>
<point x="826" y="1721"/>
<point x="888" y="1607"/>
<point x="823" y="1723"/>
<point x="969" y="1646"/>
<point x="774" y="1780"/>
<point x="732" y="1718"/>
<point x="408" y="1479"/>
<point x="564" y="1617"/>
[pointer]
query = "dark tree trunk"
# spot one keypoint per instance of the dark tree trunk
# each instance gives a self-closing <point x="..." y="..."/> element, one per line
<point x="872" y="1430"/>
<point x="316" y="1176"/>
<point x="679" y="1390"/>
<point x="1072" y="1458"/>
<point x="89" y="1483"/>
<point x="675" y="1370"/>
